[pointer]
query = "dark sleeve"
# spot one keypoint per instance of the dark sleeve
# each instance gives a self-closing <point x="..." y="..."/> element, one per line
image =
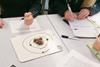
<point x="57" y="7"/>
<point x="36" y="7"/>
<point x="96" y="8"/>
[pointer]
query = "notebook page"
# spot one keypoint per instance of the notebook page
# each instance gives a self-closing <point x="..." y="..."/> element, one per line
<point x="83" y="28"/>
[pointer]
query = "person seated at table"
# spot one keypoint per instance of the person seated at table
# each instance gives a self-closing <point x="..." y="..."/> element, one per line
<point x="80" y="9"/>
<point x="16" y="8"/>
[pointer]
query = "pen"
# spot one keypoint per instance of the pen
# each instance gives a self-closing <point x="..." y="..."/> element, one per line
<point x="65" y="21"/>
<point x="67" y="37"/>
<point x="69" y="8"/>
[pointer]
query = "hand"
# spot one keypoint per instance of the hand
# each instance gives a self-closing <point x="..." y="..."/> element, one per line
<point x="1" y="23"/>
<point x="96" y="44"/>
<point x="28" y="18"/>
<point x="70" y="16"/>
<point x="83" y="14"/>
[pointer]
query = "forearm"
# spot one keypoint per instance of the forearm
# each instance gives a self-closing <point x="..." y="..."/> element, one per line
<point x="63" y="9"/>
<point x="61" y="12"/>
<point x="57" y="7"/>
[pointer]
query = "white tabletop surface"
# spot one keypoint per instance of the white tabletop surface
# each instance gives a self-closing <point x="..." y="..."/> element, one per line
<point x="7" y="52"/>
<point x="62" y="28"/>
<point x="59" y="27"/>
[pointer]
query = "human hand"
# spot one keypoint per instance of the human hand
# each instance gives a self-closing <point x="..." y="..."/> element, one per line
<point x="70" y="16"/>
<point x="1" y="23"/>
<point x="28" y="18"/>
<point x="83" y="14"/>
<point x="96" y="44"/>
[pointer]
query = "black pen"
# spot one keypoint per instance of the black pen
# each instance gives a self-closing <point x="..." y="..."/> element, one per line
<point x="66" y="21"/>
<point x="67" y="37"/>
<point x="22" y="18"/>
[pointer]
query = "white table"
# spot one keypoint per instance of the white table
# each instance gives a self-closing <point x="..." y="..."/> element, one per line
<point x="59" y="27"/>
<point x="7" y="52"/>
<point x="80" y="45"/>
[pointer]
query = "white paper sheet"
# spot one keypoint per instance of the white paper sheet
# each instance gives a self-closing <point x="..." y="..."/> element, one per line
<point x="17" y="26"/>
<point x="83" y="28"/>
<point x="75" y="59"/>
<point x="95" y="18"/>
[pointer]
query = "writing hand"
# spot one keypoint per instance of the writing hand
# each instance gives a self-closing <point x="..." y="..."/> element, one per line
<point x="70" y="15"/>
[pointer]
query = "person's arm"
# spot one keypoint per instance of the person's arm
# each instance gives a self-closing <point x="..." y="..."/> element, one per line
<point x="36" y="8"/>
<point x="87" y="4"/>
<point x="33" y="12"/>
<point x="85" y="9"/>
<point x="57" y="7"/>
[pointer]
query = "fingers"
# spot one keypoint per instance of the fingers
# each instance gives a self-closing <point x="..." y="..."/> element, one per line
<point x="83" y="14"/>
<point x="28" y="18"/>
<point x="70" y="16"/>
<point x="27" y="14"/>
<point x="1" y="23"/>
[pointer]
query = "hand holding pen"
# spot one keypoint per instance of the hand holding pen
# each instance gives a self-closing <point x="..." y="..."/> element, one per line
<point x="69" y="15"/>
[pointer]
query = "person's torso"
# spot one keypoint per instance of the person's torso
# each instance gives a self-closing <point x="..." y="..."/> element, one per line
<point x="15" y="7"/>
<point x="13" y="3"/>
<point x="74" y="4"/>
